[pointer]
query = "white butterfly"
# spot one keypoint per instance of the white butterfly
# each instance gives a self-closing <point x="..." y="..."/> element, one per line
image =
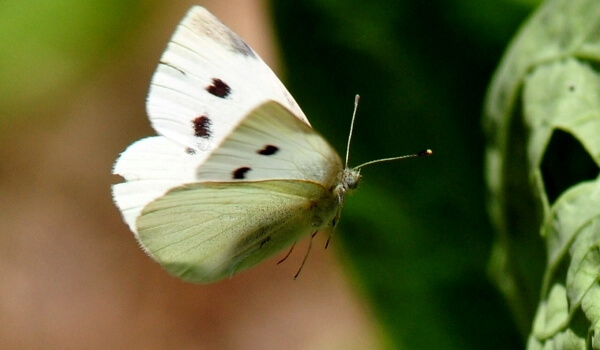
<point x="237" y="173"/>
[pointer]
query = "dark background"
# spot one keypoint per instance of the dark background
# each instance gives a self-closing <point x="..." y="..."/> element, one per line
<point x="417" y="231"/>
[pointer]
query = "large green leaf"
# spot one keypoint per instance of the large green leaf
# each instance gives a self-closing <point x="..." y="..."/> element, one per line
<point x="542" y="118"/>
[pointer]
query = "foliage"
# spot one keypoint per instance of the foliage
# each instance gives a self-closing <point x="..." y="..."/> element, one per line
<point x="542" y="160"/>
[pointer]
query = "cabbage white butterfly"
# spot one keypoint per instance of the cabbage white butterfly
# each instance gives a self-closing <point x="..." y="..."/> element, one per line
<point x="237" y="173"/>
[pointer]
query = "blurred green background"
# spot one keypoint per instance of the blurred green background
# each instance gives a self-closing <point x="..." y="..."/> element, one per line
<point x="414" y="240"/>
<point x="416" y="233"/>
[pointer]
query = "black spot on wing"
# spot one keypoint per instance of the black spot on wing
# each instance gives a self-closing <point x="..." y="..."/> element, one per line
<point x="190" y="151"/>
<point x="202" y="127"/>
<point x="268" y="150"/>
<point x="238" y="45"/>
<point x="213" y="28"/>
<point x="219" y="88"/>
<point x="240" y="173"/>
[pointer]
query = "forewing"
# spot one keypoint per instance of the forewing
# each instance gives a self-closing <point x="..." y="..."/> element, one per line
<point x="272" y="144"/>
<point x="207" y="81"/>
<point x="209" y="231"/>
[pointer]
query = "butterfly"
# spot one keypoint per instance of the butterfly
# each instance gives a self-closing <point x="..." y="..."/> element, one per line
<point x="236" y="173"/>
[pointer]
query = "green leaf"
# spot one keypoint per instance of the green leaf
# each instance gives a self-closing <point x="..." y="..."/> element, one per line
<point x="542" y="118"/>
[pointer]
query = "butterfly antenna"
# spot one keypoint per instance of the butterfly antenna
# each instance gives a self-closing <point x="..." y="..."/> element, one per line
<point x="356" y="99"/>
<point x="424" y="153"/>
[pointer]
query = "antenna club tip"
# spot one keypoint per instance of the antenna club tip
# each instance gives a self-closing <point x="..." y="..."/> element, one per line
<point x="425" y="153"/>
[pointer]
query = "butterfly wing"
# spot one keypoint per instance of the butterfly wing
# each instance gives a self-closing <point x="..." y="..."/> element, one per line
<point x="151" y="167"/>
<point x="207" y="81"/>
<point x="268" y="183"/>
<point x="205" y="232"/>
<point x="270" y="143"/>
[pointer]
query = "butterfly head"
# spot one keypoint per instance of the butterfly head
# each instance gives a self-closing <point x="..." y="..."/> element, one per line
<point x="349" y="181"/>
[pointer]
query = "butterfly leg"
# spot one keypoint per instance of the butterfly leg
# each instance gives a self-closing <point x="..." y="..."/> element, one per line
<point x="287" y="255"/>
<point x="328" y="239"/>
<point x="334" y="222"/>
<point x="306" y="255"/>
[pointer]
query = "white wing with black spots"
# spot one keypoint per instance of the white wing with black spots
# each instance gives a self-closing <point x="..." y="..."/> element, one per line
<point x="271" y="144"/>
<point x="207" y="81"/>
